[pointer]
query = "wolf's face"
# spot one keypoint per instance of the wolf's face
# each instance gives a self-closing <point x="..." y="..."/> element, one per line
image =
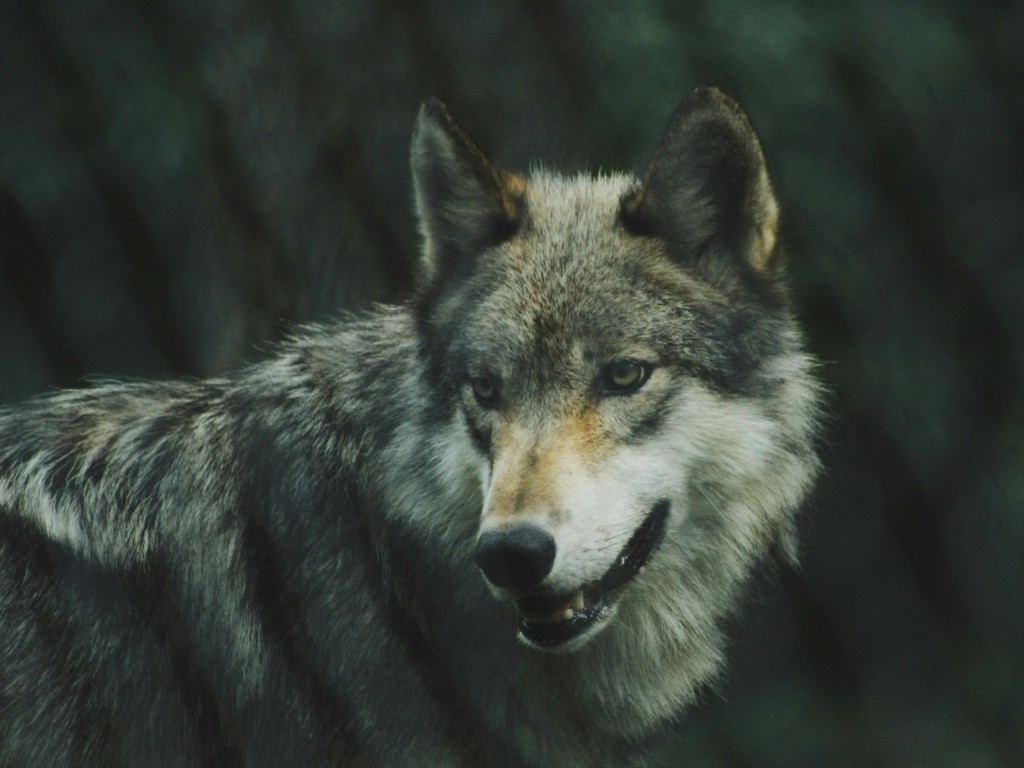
<point x="620" y="356"/>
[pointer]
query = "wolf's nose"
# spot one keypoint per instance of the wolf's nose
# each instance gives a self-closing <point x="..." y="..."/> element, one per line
<point x="515" y="557"/>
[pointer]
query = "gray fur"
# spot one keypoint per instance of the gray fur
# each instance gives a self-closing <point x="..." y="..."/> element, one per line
<point x="276" y="568"/>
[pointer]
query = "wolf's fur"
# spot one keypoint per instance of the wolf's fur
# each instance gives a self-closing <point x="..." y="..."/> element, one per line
<point x="277" y="568"/>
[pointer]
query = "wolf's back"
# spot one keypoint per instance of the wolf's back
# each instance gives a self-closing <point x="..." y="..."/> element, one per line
<point x="187" y="574"/>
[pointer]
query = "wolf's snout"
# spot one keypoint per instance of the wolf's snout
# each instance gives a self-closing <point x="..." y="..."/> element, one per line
<point x="518" y="557"/>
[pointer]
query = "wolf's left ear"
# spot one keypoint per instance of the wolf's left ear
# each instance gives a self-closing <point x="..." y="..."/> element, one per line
<point x="707" y="190"/>
<point x="464" y="201"/>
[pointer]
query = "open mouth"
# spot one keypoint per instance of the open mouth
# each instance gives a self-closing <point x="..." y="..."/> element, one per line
<point x="549" y="621"/>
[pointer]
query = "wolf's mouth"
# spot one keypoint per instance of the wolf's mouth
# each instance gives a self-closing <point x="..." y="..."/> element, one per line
<point x="552" y="620"/>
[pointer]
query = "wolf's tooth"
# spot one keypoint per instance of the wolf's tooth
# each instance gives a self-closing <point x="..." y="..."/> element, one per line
<point x="567" y="614"/>
<point x="577" y="601"/>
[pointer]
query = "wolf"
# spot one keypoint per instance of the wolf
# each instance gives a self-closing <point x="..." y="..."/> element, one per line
<point x="501" y="524"/>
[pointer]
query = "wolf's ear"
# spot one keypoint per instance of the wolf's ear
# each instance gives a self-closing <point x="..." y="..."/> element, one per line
<point x="707" y="190"/>
<point x="464" y="201"/>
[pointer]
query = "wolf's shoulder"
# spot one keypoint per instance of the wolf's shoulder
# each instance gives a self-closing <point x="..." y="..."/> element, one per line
<point x="331" y="356"/>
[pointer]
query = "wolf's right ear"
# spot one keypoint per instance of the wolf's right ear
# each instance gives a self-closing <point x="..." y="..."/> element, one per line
<point x="707" y="189"/>
<point x="464" y="201"/>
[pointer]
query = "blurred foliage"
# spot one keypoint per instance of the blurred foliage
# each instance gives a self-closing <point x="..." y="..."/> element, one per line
<point x="182" y="180"/>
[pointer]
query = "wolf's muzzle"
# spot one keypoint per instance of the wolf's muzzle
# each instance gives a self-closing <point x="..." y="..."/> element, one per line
<point x="519" y="557"/>
<point x="553" y="620"/>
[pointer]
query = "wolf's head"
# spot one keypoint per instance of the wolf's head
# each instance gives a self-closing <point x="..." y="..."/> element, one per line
<point x="622" y="359"/>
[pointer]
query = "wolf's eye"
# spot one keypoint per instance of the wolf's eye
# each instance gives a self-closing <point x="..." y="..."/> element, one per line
<point x="623" y="377"/>
<point x="485" y="390"/>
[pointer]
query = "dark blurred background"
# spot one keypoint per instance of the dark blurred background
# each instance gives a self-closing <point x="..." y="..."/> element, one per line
<point x="181" y="181"/>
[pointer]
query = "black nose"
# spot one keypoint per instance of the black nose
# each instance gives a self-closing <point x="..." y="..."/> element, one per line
<point x="515" y="557"/>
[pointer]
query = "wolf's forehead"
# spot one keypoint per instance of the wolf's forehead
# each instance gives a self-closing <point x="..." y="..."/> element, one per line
<point x="571" y="238"/>
<point x="573" y="281"/>
<point x="570" y="254"/>
<point x="575" y="204"/>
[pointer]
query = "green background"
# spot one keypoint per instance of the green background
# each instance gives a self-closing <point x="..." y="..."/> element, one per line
<point x="182" y="181"/>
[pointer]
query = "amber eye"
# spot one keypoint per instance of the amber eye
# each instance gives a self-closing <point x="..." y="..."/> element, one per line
<point x="485" y="390"/>
<point x="623" y="377"/>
